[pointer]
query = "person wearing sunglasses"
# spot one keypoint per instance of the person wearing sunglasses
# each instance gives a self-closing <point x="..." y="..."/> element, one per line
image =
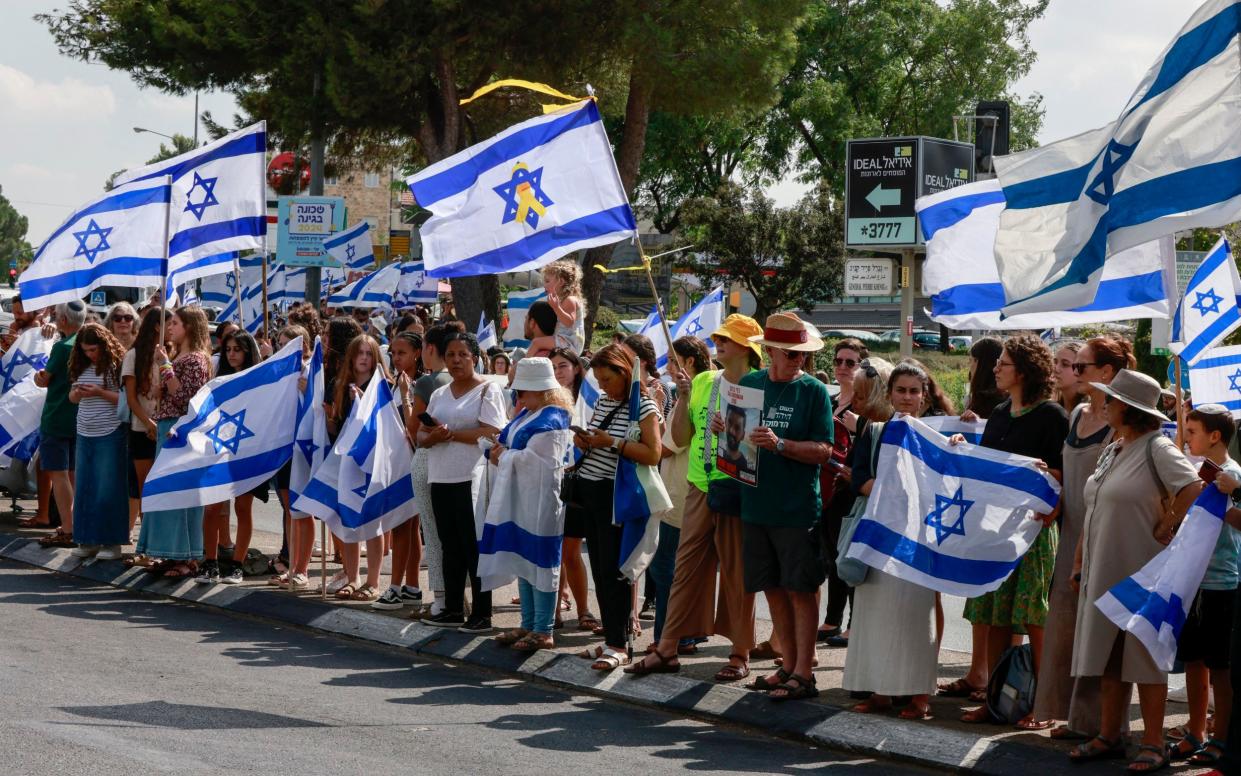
<point x="122" y="322"/>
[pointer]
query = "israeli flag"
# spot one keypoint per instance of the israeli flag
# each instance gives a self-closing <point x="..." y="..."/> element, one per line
<point x="311" y="442"/>
<point x="21" y="409"/>
<point x="1169" y="163"/>
<point x="703" y="318"/>
<point x="330" y="279"/>
<point x="961" y="278"/>
<point x="225" y="200"/>
<point x="294" y="284"/>
<point x="415" y="286"/>
<point x="1216" y="378"/>
<point x="352" y="248"/>
<point x="189" y="295"/>
<point x="377" y="289"/>
<point x="183" y="273"/>
<point x="518" y="306"/>
<point x="486" y="333"/>
<point x="950" y="425"/>
<point x="27" y="354"/>
<point x="364" y="486"/>
<point x="955" y="519"/>
<point x="237" y="434"/>
<point x="115" y="240"/>
<point x="639" y="498"/>
<point x="523" y="525"/>
<point x="1208" y="311"/>
<point x="1153" y="603"/>
<point x="535" y="192"/>
<point x="220" y="291"/>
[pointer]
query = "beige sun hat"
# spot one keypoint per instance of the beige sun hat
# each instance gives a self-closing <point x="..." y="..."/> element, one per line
<point x="788" y="332"/>
<point x="1137" y="390"/>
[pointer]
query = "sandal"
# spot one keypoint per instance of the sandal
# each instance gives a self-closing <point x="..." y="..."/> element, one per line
<point x="587" y="622"/>
<point x="365" y="593"/>
<point x="764" y="651"/>
<point x="1028" y="722"/>
<point x="33" y="522"/>
<point x="140" y="561"/>
<point x="662" y="665"/>
<point x="977" y="716"/>
<point x="871" y="706"/>
<point x="280" y="580"/>
<point x="915" y="712"/>
<point x="58" y="539"/>
<point x="979" y="695"/>
<point x="1186" y="747"/>
<point x="1151" y="758"/>
<point x="1176" y="733"/>
<point x="732" y="673"/>
<point x="510" y="637"/>
<point x="610" y="660"/>
<point x="805" y="688"/>
<point x="1089" y="751"/>
<point x="346" y="592"/>
<point x="181" y="570"/>
<point x="957" y="688"/>
<point x="1209" y="754"/>
<point x="590" y="653"/>
<point x="762" y="685"/>
<point x="1066" y="733"/>
<point x="533" y="642"/>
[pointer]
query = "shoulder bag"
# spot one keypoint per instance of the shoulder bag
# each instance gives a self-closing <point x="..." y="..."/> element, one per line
<point x="852" y="571"/>
<point x="570" y="488"/>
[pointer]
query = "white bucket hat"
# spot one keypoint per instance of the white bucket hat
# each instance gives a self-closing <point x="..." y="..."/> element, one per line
<point x="534" y="374"/>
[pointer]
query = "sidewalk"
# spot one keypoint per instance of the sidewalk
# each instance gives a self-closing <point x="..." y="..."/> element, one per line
<point x="941" y="743"/>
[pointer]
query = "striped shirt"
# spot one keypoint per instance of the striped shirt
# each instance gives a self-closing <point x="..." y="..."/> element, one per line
<point x="96" y="416"/>
<point x="600" y="464"/>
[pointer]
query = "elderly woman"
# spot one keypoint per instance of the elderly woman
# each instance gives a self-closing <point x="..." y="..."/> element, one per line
<point x="1059" y="695"/>
<point x="122" y="321"/>
<point x="524" y="518"/>
<point x="1028" y="423"/>
<point x="1136" y="496"/>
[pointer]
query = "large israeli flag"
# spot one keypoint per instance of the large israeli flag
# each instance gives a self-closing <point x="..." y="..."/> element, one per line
<point x="1153" y="603"/>
<point x="311" y="442"/>
<point x="955" y="519"/>
<point x="237" y="434"/>
<point x="962" y="280"/>
<point x="1208" y="311"/>
<point x="352" y="248"/>
<point x="518" y="306"/>
<point x="1216" y="378"/>
<point x="21" y="409"/>
<point x="639" y="498"/>
<point x="377" y="289"/>
<point x="225" y="204"/>
<point x="415" y="286"/>
<point x="115" y="240"/>
<point x="535" y="192"/>
<point x="523" y="519"/>
<point x="699" y="321"/>
<point x="364" y="486"/>
<point x="1170" y="162"/>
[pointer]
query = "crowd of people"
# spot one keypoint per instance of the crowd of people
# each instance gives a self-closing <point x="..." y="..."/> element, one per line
<point x="550" y="455"/>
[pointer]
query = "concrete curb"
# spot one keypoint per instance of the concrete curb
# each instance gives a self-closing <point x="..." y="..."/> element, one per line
<point x="816" y="723"/>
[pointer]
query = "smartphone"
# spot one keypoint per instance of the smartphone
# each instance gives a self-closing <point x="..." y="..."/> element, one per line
<point x="1209" y="471"/>
<point x="579" y="430"/>
<point x="425" y="419"/>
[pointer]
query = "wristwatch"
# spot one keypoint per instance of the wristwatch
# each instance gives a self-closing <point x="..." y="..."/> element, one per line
<point x="780" y="445"/>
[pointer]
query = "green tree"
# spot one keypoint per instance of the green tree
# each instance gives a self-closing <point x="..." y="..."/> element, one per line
<point x="14" y="250"/>
<point x="180" y="144"/>
<point x="785" y="257"/>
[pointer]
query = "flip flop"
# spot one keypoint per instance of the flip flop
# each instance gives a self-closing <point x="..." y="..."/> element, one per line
<point x="914" y="712"/>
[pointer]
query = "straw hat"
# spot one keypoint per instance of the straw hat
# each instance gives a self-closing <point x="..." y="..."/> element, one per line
<point x="534" y="374"/>
<point x="740" y="329"/>
<point x="788" y="332"/>
<point x="1137" y="390"/>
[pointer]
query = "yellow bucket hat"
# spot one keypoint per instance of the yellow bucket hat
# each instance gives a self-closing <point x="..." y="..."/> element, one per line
<point x="740" y="328"/>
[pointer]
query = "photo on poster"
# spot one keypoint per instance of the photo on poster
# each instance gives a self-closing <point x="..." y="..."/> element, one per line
<point x="735" y="455"/>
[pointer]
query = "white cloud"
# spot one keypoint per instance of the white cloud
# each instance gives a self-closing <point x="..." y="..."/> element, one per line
<point x="28" y="99"/>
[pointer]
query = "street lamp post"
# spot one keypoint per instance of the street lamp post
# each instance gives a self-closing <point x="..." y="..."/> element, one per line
<point x="140" y="130"/>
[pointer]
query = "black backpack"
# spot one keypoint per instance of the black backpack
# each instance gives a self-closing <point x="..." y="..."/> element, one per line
<point x="1010" y="690"/>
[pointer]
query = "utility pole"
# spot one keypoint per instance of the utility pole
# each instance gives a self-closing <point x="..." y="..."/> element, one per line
<point x="313" y="275"/>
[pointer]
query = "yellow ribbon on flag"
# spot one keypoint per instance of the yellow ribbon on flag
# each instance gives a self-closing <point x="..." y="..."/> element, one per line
<point x="526" y="201"/>
<point x="532" y="86"/>
<point x="636" y="268"/>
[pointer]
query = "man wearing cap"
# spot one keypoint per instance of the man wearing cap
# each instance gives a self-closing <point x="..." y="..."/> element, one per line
<point x="780" y="514"/>
<point x="711" y="524"/>
<point x="59" y="423"/>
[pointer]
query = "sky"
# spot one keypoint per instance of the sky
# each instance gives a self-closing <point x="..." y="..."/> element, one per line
<point x="65" y="126"/>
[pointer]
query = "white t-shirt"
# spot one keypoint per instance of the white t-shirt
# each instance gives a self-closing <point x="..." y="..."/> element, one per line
<point x="482" y="406"/>
<point x="149" y="404"/>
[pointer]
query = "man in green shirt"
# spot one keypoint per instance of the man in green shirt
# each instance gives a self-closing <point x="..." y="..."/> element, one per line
<point x="58" y="426"/>
<point x="780" y="514"/>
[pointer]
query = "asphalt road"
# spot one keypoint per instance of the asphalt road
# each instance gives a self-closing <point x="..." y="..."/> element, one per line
<point x="98" y="681"/>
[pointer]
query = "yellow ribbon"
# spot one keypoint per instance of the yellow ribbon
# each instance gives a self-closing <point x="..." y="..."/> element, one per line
<point x="526" y="201"/>
<point x="532" y="86"/>
<point x="636" y="268"/>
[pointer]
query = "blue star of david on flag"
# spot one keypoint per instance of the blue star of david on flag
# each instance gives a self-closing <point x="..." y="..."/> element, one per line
<point x="524" y="199"/>
<point x="1103" y="186"/>
<point x="1208" y="303"/>
<point x="937" y="515"/>
<point x="693" y="327"/>
<point x="350" y="251"/>
<point x="240" y="432"/>
<point x="230" y="281"/>
<point x="19" y="359"/>
<point x="360" y="491"/>
<point x="308" y="448"/>
<point x="1234" y="381"/>
<point x="208" y="187"/>
<point x="92" y="230"/>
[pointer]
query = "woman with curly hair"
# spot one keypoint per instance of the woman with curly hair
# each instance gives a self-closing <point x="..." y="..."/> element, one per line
<point x="100" y="492"/>
<point x="1031" y="423"/>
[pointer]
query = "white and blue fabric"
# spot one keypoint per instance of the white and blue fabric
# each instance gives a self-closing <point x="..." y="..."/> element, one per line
<point x="352" y="248"/>
<point x="1170" y="162"/>
<point x="639" y="498"/>
<point x="21" y="409"/>
<point x="961" y="278"/>
<point x="955" y="519"/>
<point x="219" y="292"/>
<point x="28" y="353"/>
<point x="535" y="192"/>
<point x="236" y="435"/>
<point x="115" y="240"/>
<point x="518" y="306"/>
<point x="523" y="524"/>
<point x="704" y="317"/>
<point x="415" y="286"/>
<point x="1216" y="378"/>
<point x="486" y="333"/>
<point x="310" y="444"/>
<point x="377" y="289"/>
<point x="224" y="205"/>
<point x="364" y="485"/>
<point x="294" y="284"/>
<point x="182" y="273"/>
<point x="1153" y="603"/>
<point x="948" y="425"/>
<point x="1208" y="311"/>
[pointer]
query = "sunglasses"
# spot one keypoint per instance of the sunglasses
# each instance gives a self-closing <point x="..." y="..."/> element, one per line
<point x="868" y="368"/>
<point x="123" y="318"/>
<point x="1079" y="368"/>
<point x="849" y="362"/>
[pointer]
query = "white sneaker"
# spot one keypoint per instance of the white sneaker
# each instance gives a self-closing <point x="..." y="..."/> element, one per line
<point x="85" y="551"/>
<point x="337" y="581"/>
<point x="298" y="582"/>
<point x="110" y="552"/>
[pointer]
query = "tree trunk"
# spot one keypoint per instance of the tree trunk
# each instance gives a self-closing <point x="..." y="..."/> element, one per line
<point x="628" y="160"/>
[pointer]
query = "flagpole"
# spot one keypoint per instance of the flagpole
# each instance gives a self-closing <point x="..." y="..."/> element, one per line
<point x="323" y="558"/>
<point x="241" y="320"/>
<point x="663" y="318"/>
<point x="266" y="335"/>
<point x="1180" y="408"/>
<point x="163" y="287"/>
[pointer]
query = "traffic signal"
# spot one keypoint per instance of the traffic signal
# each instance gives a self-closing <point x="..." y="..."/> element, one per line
<point x="990" y="136"/>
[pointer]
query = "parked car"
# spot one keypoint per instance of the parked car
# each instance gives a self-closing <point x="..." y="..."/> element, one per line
<point x="922" y="337"/>
<point x="961" y="342"/>
<point x="859" y="334"/>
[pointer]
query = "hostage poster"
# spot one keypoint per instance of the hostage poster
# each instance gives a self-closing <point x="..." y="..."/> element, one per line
<point x="741" y="409"/>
